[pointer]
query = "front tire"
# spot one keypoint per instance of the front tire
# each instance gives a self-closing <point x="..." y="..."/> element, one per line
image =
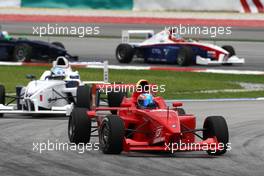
<point x="79" y="126"/>
<point x="216" y="126"/>
<point x="111" y="135"/>
<point x="22" y="53"/>
<point x="124" y="53"/>
<point x="2" y="96"/>
<point x="229" y="49"/>
<point x="185" y="56"/>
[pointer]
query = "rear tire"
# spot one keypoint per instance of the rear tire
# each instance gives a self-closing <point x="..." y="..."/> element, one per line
<point x="79" y="126"/>
<point x="2" y="96"/>
<point x="84" y="97"/>
<point x="124" y="53"/>
<point x="111" y="135"/>
<point x="115" y="99"/>
<point x="216" y="126"/>
<point x="22" y="53"/>
<point x="59" y="44"/>
<point x="185" y="56"/>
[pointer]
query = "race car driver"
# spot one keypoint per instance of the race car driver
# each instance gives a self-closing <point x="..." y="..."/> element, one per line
<point x="146" y="101"/>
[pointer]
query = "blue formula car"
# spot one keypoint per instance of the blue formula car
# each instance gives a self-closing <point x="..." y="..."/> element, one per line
<point x="171" y="48"/>
<point x="25" y="50"/>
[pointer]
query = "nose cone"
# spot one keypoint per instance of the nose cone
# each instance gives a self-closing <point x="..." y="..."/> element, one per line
<point x="168" y="119"/>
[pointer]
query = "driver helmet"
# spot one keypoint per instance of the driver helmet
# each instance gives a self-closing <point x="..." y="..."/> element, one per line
<point x="145" y="100"/>
<point x="57" y="72"/>
<point x="5" y="35"/>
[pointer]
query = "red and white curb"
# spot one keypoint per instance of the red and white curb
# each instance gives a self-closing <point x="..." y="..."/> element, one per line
<point x="252" y="6"/>
<point x="125" y="67"/>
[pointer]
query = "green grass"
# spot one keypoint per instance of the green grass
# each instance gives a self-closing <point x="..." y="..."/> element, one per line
<point x="179" y="85"/>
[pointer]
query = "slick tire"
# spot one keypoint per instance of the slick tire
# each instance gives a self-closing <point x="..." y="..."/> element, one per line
<point x="84" y="97"/>
<point x="185" y="56"/>
<point x="115" y="100"/>
<point x="216" y="126"/>
<point x="111" y="135"/>
<point x="124" y="53"/>
<point x="22" y="53"/>
<point x="79" y="126"/>
<point x="231" y="51"/>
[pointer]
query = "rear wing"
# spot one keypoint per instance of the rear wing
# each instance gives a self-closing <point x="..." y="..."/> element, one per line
<point x="127" y="33"/>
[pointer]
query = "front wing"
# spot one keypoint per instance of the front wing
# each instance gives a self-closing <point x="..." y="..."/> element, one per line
<point x="64" y="110"/>
<point x="231" y="60"/>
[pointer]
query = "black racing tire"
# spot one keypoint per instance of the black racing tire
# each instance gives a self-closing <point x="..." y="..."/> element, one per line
<point x="216" y="126"/>
<point x="84" y="97"/>
<point x="124" y="53"/>
<point x="185" y="56"/>
<point x="79" y="126"/>
<point x="229" y="49"/>
<point x="111" y="135"/>
<point x="115" y="99"/>
<point x="59" y="44"/>
<point x="2" y="96"/>
<point x="180" y="111"/>
<point x="22" y="53"/>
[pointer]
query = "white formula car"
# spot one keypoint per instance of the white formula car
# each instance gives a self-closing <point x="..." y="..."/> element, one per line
<point x="171" y="48"/>
<point x="56" y="92"/>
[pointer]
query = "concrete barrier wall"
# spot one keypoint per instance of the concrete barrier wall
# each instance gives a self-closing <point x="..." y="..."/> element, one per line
<point x="188" y="5"/>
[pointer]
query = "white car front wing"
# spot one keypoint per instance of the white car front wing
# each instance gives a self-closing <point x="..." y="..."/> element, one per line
<point x="231" y="60"/>
<point x="64" y="110"/>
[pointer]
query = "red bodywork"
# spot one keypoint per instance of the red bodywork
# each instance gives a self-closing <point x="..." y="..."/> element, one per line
<point x="154" y="129"/>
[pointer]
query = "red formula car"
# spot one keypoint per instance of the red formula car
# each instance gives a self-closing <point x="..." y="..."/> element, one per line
<point x="133" y="128"/>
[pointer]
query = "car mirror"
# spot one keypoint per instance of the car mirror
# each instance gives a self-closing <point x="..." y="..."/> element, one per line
<point x="176" y="104"/>
<point x="31" y="77"/>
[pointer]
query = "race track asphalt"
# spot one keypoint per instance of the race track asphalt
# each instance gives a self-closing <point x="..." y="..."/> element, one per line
<point x="245" y="120"/>
<point x="103" y="48"/>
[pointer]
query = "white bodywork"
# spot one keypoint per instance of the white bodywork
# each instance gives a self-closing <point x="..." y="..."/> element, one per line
<point x="164" y="37"/>
<point x="47" y="96"/>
